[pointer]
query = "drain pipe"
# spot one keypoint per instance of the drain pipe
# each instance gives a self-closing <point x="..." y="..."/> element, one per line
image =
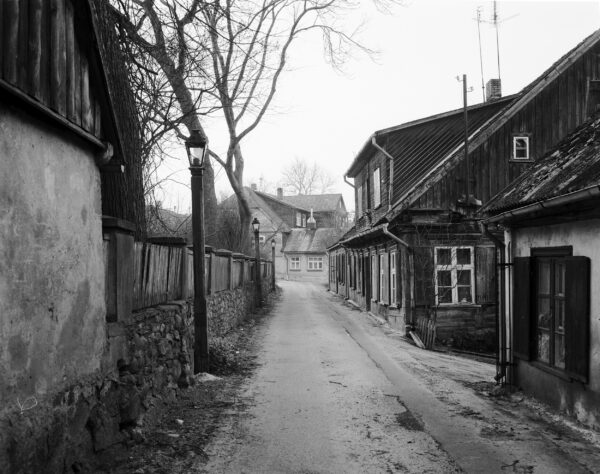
<point x="411" y="280"/>
<point x="348" y="182"/>
<point x="391" y="158"/>
<point x="501" y="363"/>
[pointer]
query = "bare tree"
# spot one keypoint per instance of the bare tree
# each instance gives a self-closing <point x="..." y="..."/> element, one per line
<point x="300" y="177"/>
<point x="229" y="55"/>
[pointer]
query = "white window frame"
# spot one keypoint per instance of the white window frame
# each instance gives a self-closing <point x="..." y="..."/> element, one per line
<point x="261" y="239"/>
<point x="527" y="148"/>
<point x="359" y="204"/>
<point x="298" y="219"/>
<point x="294" y="263"/>
<point x="315" y="263"/>
<point x="303" y="220"/>
<point x="376" y="188"/>
<point x="382" y="275"/>
<point x="454" y="268"/>
<point x="393" y="285"/>
<point x="374" y="277"/>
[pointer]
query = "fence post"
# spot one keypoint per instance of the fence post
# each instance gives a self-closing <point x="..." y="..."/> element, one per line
<point x="208" y="250"/>
<point x="119" y="281"/>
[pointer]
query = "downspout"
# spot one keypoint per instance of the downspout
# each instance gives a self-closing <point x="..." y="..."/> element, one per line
<point x="411" y="280"/>
<point x="391" y="158"/>
<point x="348" y="182"/>
<point x="501" y="363"/>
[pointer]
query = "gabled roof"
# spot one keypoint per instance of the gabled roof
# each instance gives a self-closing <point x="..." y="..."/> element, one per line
<point x="574" y="165"/>
<point x="256" y="201"/>
<point x="316" y="202"/>
<point x="268" y="196"/>
<point x="310" y="240"/>
<point x="418" y="145"/>
<point x="527" y="94"/>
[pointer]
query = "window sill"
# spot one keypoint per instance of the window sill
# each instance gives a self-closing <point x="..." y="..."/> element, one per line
<point x="459" y="305"/>
<point x="513" y="160"/>
<point x="295" y="270"/>
<point x="314" y="270"/>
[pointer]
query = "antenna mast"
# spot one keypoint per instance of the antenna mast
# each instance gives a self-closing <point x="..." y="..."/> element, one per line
<point x="495" y="21"/>
<point x="480" y="53"/>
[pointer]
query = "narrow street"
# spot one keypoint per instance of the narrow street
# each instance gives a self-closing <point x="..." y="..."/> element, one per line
<point x="336" y="392"/>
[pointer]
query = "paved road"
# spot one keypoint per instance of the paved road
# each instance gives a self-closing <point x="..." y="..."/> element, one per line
<point x="336" y="393"/>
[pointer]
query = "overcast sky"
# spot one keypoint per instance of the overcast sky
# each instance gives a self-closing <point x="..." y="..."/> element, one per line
<point x="324" y="116"/>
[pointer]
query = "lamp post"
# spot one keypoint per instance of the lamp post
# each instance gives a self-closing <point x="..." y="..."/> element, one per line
<point x="256" y="228"/>
<point x="273" y="264"/>
<point x="197" y="148"/>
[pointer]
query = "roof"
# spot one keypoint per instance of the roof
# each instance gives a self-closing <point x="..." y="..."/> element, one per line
<point x="310" y="240"/>
<point x="256" y="201"/>
<point x="316" y="202"/>
<point x="162" y="222"/>
<point x="527" y="94"/>
<point x="280" y="201"/>
<point x="572" y="166"/>
<point x="422" y="143"/>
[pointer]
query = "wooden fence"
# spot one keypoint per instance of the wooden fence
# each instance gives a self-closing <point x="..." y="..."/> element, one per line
<point x="164" y="273"/>
<point x="426" y="330"/>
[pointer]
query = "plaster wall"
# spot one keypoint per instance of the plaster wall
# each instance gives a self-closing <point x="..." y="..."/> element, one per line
<point x="580" y="400"/>
<point x="304" y="274"/>
<point x="52" y="309"/>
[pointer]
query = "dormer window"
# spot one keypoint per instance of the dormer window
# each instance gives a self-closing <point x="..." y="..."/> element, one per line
<point x="521" y="147"/>
<point x="298" y="219"/>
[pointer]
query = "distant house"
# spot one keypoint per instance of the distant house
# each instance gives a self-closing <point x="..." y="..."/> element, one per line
<point x="551" y="276"/>
<point x="416" y="249"/>
<point x="284" y="217"/>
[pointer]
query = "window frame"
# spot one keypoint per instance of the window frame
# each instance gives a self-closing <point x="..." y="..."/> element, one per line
<point x="393" y="282"/>
<point x="382" y="277"/>
<point x="293" y="261"/>
<point x="311" y="264"/>
<point x="454" y="268"/>
<point x="359" y="201"/>
<point x="374" y="277"/>
<point x="515" y="138"/>
<point x="376" y="187"/>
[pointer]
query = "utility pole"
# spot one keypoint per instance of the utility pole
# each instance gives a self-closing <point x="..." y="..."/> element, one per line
<point x="480" y="53"/>
<point x="466" y="119"/>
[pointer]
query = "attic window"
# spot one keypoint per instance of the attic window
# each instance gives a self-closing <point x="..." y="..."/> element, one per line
<point x="520" y="147"/>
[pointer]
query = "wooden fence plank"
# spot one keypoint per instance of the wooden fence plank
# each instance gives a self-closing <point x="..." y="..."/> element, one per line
<point x="70" y="83"/>
<point x="35" y="48"/>
<point x="11" y="40"/>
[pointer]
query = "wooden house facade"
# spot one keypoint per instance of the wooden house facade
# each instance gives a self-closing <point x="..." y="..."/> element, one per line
<point x="417" y="249"/>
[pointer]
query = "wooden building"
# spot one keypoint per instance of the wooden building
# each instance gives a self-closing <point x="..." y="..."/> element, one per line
<point x="551" y="275"/>
<point x="417" y="250"/>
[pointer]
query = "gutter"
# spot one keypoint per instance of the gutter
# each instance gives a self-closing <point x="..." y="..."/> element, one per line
<point x="592" y="191"/>
<point x="391" y="158"/>
<point x="500" y="315"/>
<point x="348" y="182"/>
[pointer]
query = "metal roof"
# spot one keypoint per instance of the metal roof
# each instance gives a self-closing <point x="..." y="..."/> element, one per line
<point x="310" y="240"/>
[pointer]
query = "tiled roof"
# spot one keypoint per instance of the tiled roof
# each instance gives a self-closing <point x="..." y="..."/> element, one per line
<point x="256" y="202"/>
<point x="316" y="202"/>
<point x="572" y="166"/>
<point x="310" y="240"/>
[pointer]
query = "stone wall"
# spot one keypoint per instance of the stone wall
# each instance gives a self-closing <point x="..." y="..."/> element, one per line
<point x="148" y="359"/>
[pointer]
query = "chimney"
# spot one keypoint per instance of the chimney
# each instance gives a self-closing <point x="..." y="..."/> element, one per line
<point x="253" y="186"/>
<point x="279" y="193"/>
<point x="311" y="222"/>
<point x="493" y="90"/>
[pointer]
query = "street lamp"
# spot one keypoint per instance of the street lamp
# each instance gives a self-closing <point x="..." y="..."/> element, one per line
<point x="273" y="264"/>
<point x="197" y="151"/>
<point x="256" y="228"/>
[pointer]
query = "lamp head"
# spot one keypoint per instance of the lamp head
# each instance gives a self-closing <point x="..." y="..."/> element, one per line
<point x="255" y="225"/>
<point x="273" y="243"/>
<point x="197" y="148"/>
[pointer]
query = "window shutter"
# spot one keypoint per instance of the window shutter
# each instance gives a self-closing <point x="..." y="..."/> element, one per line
<point x="522" y="307"/>
<point x="424" y="277"/>
<point x="577" y="317"/>
<point x="386" y="278"/>
<point x="485" y="275"/>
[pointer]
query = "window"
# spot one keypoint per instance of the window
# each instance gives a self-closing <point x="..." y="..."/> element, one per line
<point x="374" y="276"/>
<point x="383" y="297"/>
<point x="551" y="311"/>
<point x="376" y="188"/>
<point x="359" y="273"/>
<point x="315" y="263"/>
<point x="298" y="219"/>
<point x="295" y="263"/>
<point x="303" y="220"/>
<point x="393" y="297"/>
<point x="454" y="275"/>
<point x="261" y="239"/>
<point x="520" y="148"/>
<point x="359" y="198"/>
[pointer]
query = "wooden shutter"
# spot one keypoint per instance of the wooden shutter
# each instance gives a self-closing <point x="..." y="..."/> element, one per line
<point x="577" y="317"/>
<point x="485" y="275"/>
<point x="386" y="278"/>
<point x="424" y="276"/>
<point x="522" y="317"/>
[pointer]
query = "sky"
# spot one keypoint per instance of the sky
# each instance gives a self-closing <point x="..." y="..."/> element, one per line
<point x="325" y="116"/>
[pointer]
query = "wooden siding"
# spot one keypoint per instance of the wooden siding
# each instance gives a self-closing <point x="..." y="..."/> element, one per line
<point x="560" y="108"/>
<point x="365" y="178"/>
<point x="44" y="54"/>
